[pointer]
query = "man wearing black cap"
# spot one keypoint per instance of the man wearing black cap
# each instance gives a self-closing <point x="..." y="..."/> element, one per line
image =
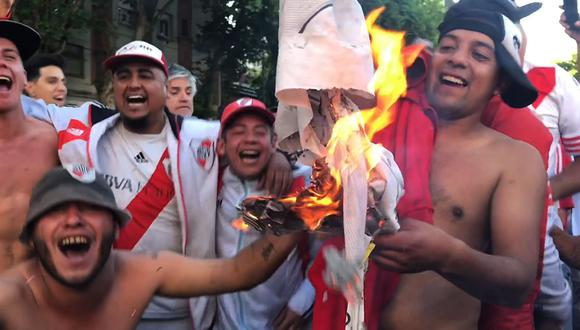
<point x="76" y="281"/>
<point x="487" y="189"/>
<point x="557" y="108"/>
<point x="27" y="146"/>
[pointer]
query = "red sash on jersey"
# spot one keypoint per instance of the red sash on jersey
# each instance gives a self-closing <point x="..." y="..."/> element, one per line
<point x="146" y="206"/>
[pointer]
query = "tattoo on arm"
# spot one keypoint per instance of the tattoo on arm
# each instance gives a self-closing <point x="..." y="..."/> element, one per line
<point x="267" y="251"/>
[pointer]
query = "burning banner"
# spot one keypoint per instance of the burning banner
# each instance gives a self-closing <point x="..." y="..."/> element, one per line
<point x="324" y="76"/>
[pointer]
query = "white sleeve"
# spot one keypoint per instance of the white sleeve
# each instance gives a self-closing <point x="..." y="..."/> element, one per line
<point x="567" y="92"/>
<point x="303" y="298"/>
<point x="59" y="117"/>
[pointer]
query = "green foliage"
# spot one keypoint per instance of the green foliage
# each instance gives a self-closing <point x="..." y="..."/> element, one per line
<point x="570" y="65"/>
<point x="417" y="17"/>
<point x="53" y="19"/>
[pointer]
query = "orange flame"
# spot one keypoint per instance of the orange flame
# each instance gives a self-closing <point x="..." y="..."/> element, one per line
<point x="240" y="225"/>
<point x="389" y="83"/>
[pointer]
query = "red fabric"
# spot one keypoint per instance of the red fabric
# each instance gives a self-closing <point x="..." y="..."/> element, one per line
<point x="411" y="139"/>
<point x="146" y="206"/>
<point x="523" y="125"/>
<point x="544" y="79"/>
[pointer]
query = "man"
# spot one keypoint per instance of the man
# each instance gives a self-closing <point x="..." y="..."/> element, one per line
<point x="78" y="282"/>
<point x="46" y="79"/>
<point x="181" y="89"/>
<point x="480" y="181"/>
<point x="247" y="141"/>
<point x="162" y="169"/>
<point x="27" y="146"/>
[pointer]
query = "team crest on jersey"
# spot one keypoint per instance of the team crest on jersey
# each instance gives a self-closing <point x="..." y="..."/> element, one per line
<point x="81" y="172"/>
<point x="204" y="152"/>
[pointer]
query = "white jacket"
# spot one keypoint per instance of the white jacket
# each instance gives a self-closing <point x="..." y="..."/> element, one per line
<point x="257" y="308"/>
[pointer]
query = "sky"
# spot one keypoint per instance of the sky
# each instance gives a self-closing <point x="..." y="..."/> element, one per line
<point x="547" y="41"/>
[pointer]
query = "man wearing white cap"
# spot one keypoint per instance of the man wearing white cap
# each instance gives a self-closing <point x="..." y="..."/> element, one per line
<point x="162" y="169"/>
<point x="27" y="146"/>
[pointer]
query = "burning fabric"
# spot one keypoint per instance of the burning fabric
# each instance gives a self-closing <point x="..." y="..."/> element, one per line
<point x="324" y="76"/>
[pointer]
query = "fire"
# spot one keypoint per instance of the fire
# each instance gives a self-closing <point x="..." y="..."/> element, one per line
<point x="345" y="152"/>
<point x="240" y="225"/>
<point x="350" y="147"/>
<point x="321" y="200"/>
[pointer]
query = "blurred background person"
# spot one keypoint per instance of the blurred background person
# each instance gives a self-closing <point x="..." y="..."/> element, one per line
<point x="46" y="79"/>
<point x="181" y="89"/>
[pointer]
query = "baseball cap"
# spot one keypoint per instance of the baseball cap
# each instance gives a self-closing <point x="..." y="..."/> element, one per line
<point x="246" y="105"/>
<point x="72" y="183"/>
<point x="507" y="39"/>
<point x="25" y="38"/>
<point x="137" y="50"/>
<point x="509" y="8"/>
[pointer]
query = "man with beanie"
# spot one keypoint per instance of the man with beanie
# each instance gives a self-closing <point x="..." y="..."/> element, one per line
<point x="76" y="280"/>
<point x="487" y="189"/>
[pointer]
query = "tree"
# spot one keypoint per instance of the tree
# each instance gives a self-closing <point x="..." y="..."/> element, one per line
<point x="570" y="65"/>
<point x="419" y="18"/>
<point x="54" y="20"/>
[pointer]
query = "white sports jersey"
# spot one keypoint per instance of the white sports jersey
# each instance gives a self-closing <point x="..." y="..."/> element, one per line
<point x="558" y="107"/>
<point x="128" y="161"/>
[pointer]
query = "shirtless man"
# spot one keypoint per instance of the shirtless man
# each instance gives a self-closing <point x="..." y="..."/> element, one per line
<point x="487" y="189"/>
<point x="78" y="282"/>
<point x="27" y="146"/>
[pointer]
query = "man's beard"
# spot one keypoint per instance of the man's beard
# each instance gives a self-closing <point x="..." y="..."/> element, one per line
<point x="45" y="259"/>
<point x="136" y="124"/>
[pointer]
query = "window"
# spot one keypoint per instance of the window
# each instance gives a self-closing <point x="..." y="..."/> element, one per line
<point x="126" y="13"/>
<point x="75" y="61"/>
<point x="164" y="31"/>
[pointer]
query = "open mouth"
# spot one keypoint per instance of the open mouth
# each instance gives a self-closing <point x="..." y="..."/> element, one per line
<point x="74" y="245"/>
<point x="136" y="99"/>
<point x="249" y="156"/>
<point x="452" y="81"/>
<point x="5" y="83"/>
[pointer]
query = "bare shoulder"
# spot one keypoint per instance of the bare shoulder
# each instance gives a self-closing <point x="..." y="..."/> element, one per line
<point x="41" y="130"/>
<point x="515" y="153"/>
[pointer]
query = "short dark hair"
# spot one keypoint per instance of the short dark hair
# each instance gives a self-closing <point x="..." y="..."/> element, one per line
<point x="37" y="62"/>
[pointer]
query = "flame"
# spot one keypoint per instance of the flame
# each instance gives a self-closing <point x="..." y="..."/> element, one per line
<point x="321" y="200"/>
<point x="240" y="225"/>
<point x="350" y="141"/>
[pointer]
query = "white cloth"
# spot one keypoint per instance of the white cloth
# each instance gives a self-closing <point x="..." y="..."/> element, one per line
<point x="256" y="308"/>
<point x="323" y="45"/>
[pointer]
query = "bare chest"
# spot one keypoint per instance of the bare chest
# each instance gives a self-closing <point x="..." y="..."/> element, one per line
<point x="462" y="184"/>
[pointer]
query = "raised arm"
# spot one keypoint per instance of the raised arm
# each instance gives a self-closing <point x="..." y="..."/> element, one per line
<point x="184" y="277"/>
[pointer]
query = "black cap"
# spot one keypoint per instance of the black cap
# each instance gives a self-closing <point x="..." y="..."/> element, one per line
<point x="26" y="39"/>
<point x="509" y="8"/>
<point x="507" y="39"/>
<point x="75" y="183"/>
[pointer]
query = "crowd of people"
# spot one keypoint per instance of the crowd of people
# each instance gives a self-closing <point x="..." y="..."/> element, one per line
<point x="128" y="218"/>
